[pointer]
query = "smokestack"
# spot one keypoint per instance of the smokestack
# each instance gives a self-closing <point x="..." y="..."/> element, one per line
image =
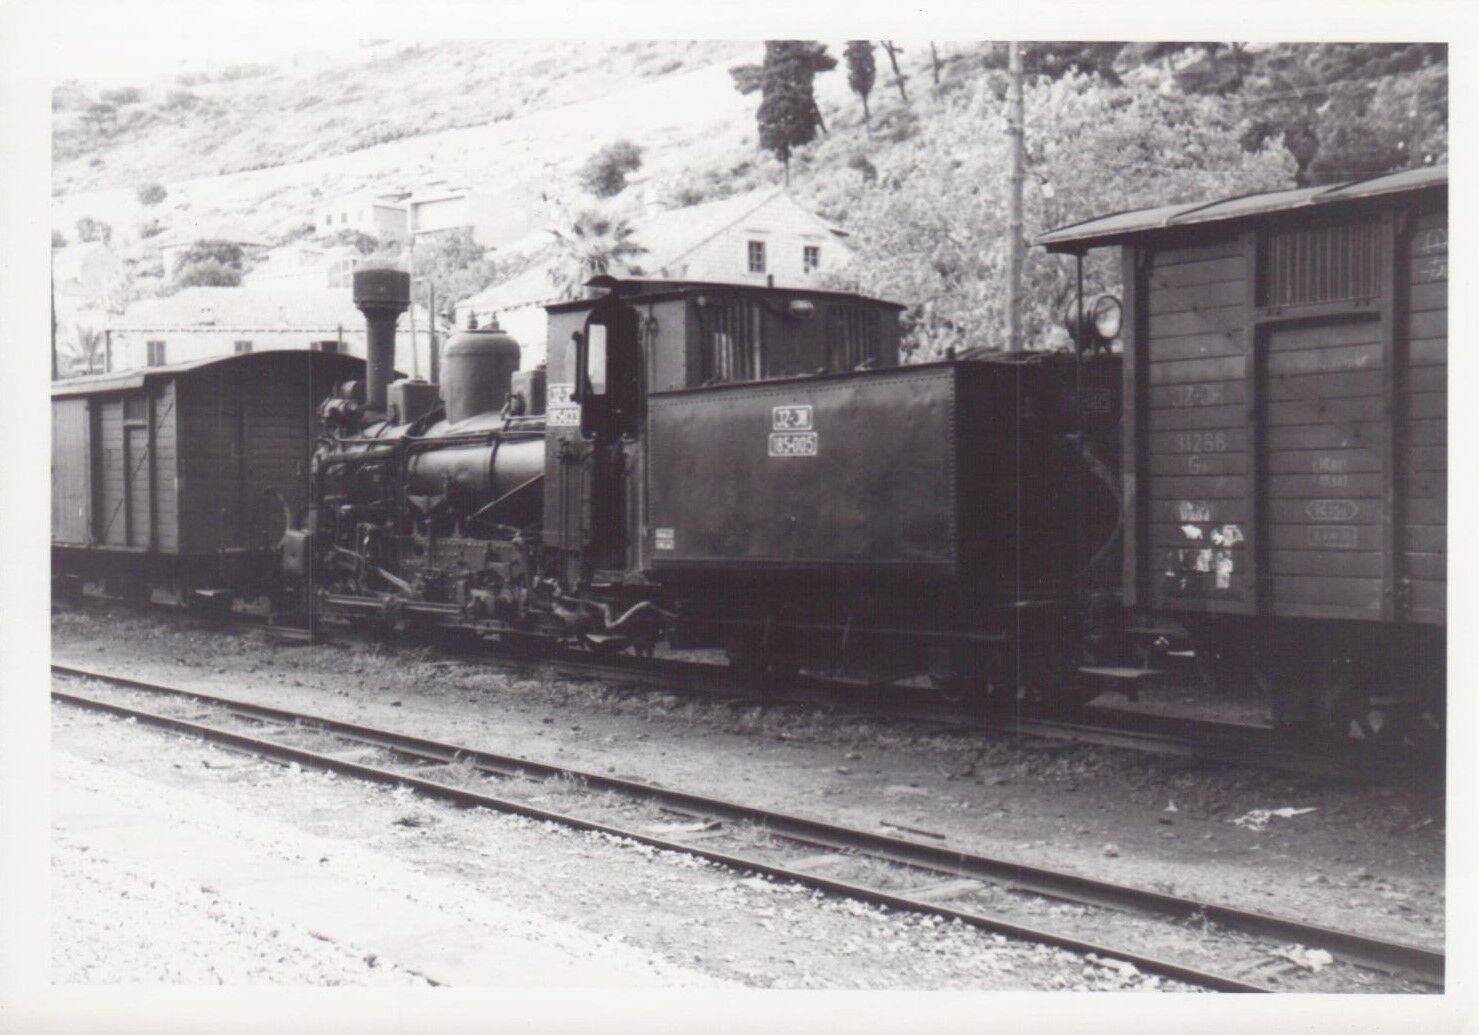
<point x="382" y="295"/>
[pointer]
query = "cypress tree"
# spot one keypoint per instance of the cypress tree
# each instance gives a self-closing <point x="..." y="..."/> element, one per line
<point x="861" y="71"/>
<point x="788" y="116"/>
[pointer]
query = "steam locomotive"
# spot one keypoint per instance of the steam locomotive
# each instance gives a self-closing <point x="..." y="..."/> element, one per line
<point x="721" y="466"/>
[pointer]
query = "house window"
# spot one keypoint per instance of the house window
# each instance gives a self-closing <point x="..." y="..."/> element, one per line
<point x="156" y="354"/>
<point x="811" y="258"/>
<point x="328" y="219"/>
<point x="243" y="346"/>
<point x="757" y="256"/>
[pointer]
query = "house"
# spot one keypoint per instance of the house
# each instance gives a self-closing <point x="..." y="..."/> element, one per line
<point x="763" y="237"/>
<point x="439" y="209"/>
<point x="175" y="242"/>
<point x="304" y="265"/>
<point x="200" y="322"/>
<point x="380" y="214"/>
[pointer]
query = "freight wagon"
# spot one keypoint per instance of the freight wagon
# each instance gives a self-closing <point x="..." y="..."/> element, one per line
<point x="1285" y="440"/>
<point x="185" y="476"/>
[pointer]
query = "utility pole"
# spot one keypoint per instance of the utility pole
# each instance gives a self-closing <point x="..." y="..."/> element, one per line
<point x="435" y="360"/>
<point x="55" y="373"/>
<point x="415" y="358"/>
<point x="1015" y="128"/>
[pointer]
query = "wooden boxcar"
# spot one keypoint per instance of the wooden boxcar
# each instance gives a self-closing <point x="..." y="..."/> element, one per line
<point x="181" y="476"/>
<point x="1285" y="437"/>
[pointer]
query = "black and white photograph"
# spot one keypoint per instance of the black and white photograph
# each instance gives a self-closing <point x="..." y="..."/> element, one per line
<point x="653" y="522"/>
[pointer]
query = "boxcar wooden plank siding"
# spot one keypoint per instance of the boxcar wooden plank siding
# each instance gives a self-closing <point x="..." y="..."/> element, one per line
<point x="1198" y="344"/>
<point x="1196" y="371"/>
<point x="1210" y="487"/>
<point x="71" y="475"/>
<point x="1192" y="417"/>
<point x="1182" y="254"/>
<point x="1421" y="539"/>
<point x="1188" y="293"/>
<point x="1199" y="317"/>
<point x="112" y="517"/>
<point x="1198" y="464"/>
<point x="1168" y="280"/>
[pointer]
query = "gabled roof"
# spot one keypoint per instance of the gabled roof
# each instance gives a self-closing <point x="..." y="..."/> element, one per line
<point x="669" y="237"/>
<point x="1109" y="229"/>
<point x="243" y="308"/>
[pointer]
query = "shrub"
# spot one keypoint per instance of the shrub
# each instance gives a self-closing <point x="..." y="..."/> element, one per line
<point x="152" y="194"/>
<point x="57" y="240"/>
<point x="123" y="95"/>
<point x="180" y="100"/>
<point x="90" y="230"/>
<point x="605" y="172"/>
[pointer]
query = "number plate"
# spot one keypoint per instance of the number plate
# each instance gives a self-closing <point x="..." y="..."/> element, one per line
<point x="791" y="418"/>
<point x="559" y="410"/>
<point x="793" y="443"/>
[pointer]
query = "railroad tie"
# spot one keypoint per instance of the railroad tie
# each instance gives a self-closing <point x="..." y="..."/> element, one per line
<point x="944" y="892"/>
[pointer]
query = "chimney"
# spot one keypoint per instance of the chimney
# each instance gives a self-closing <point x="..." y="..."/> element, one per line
<point x="382" y="295"/>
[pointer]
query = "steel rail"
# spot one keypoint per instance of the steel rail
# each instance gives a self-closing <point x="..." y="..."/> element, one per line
<point x="1395" y="957"/>
<point x="473" y="800"/>
<point x="1234" y="743"/>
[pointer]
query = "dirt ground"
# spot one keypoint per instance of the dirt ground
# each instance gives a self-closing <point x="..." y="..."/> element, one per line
<point x="1369" y="859"/>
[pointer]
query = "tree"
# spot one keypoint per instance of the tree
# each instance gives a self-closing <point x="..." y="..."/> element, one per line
<point x="84" y="352"/>
<point x="605" y="172"/>
<point x="90" y="230"/>
<point x="102" y="115"/>
<point x="862" y="72"/>
<point x="209" y="263"/>
<point x="788" y="116"/>
<point x="595" y="243"/>
<point x="1343" y="109"/>
<point x="360" y="241"/>
<point x="152" y="194"/>
<point x="932" y="231"/>
<point x="454" y="265"/>
<point x="207" y="273"/>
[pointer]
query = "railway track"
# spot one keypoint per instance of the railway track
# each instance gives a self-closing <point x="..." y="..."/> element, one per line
<point x="883" y="869"/>
<point x="1167" y="736"/>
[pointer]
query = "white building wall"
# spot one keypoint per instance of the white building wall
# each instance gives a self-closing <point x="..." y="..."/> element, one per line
<point x="785" y="229"/>
<point x="130" y="349"/>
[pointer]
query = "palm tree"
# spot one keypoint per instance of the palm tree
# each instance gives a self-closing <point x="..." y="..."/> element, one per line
<point x="84" y="352"/>
<point x="594" y="244"/>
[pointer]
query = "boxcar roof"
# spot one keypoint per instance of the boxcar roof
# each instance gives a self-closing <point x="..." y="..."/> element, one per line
<point x="125" y="380"/>
<point x="1119" y="226"/>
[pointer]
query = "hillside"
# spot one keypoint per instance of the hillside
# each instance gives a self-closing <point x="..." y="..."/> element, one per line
<point x="921" y="184"/>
